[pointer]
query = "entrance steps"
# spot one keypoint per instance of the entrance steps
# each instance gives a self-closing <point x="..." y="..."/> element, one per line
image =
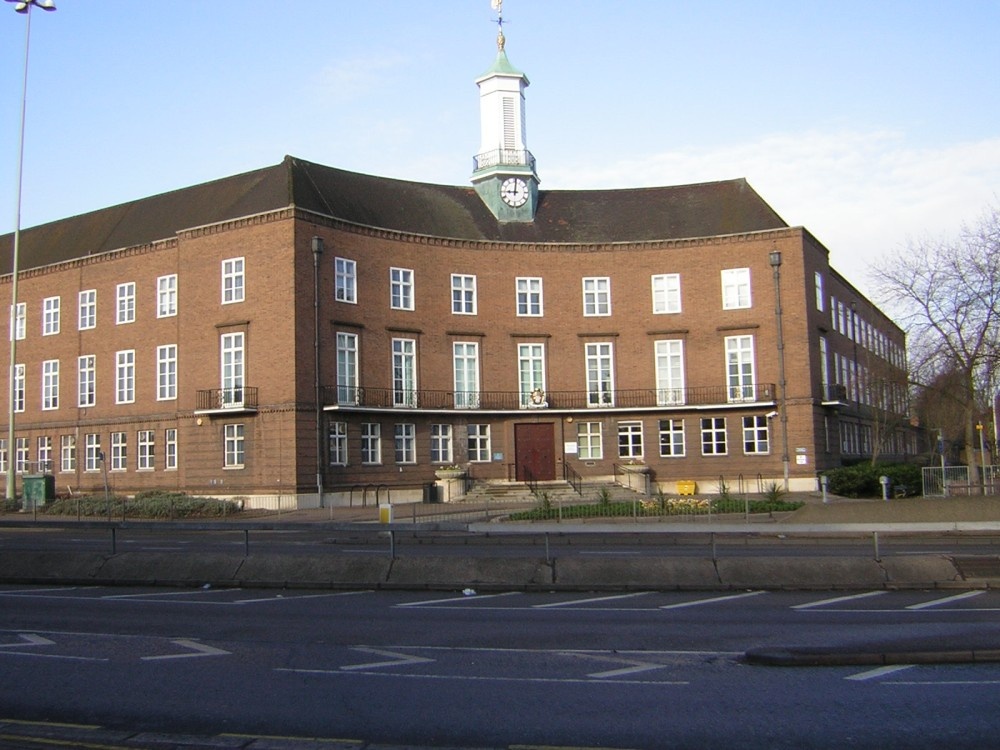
<point x="556" y="491"/>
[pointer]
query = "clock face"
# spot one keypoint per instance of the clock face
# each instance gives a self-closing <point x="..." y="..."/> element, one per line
<point x="514" y="192"/>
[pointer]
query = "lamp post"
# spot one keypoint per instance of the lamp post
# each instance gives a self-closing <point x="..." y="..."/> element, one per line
<point x="856" y="384"/>
<point x="24" y="7"/>
<point x="774" y="258"/>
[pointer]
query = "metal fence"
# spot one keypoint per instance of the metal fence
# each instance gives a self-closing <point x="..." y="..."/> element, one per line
<point x="950" y="481"/>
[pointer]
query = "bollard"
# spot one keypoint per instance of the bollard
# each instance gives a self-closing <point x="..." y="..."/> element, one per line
<point x="884" y="481"/>
<point x="824" y="481"/>
<point x="878" y="557"/>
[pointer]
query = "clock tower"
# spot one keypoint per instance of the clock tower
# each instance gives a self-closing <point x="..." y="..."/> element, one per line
<point x="504" y="170"/>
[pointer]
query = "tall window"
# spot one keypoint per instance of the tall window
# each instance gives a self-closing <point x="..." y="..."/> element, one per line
<point x="735" y="288"/>
<point x="144" y="445"/>
<point x="672" y="438"/>
<point x="463" y="294"/>
<point x="170" y="449"/>
<point x="87" y="310"/>
<point x="92" y="455"/>
<point x="50" y="316"/>
<point x="531" y="373"/>
<point x="404" y="372"/>
<point x="345" y="280"/>
<point x="125" y="297"/>
<point x="600" y="383"/>
<point x="401" y="288"/>
<point x="406" y="443"/>
<point x="233" y="281"/>
<point x="347" y="368"/>
<point x="666" y="293"/>
<point x="50" y="384"/>
<point x="371" y="443"/>
<point x="630" y="440"/>
<point x="338" y="443"/>
<point x="740" y="368"/>
<point x="465" y="357"/>
<point x="755" y="435"/>
<point x="3" y="455"/>
<point x="67" y="453"/>
<point x="166" y="296"/>
<point x="231" y="360"/>
<point x="529" y="297"/>
<point x="589" y="439"/>
<point x="125" y="377"/>
<point x="441" y="443"/>
<point x="86" y="379"/>
<point x="232" y="455"/>
<point x="21" y="321"/>
<point x="19" y="384"/>
<point x="23" y="455"/>
<point x="597" y="296"/>
<point x="669" y="372"/>
<point x="119" y="451"/>
<point x="45" y="454"/>
<point x="479" y="443"/>
<point x="820" y="298"/>
<point x="166" y="372"/>
<point x="713" y="436"/>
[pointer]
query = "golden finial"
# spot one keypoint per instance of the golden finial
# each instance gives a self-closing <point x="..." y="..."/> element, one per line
<point x="497" y="5"/>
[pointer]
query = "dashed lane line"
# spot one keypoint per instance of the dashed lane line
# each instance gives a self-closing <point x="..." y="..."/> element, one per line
<point x="838" y="599"/>
<point x="712" y="600"/>
<point x="871" y="674"/>
<point x="947" y="599"/>
<point x="574" y="602"/>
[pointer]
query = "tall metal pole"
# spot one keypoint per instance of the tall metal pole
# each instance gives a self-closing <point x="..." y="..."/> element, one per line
<point x="23" y="6"/>
<point x="774" y="258"/>
<point x="317" y="248"/>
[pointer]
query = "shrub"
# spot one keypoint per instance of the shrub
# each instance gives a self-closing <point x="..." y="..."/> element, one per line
<point x="862" y="480"/>
<point x="151" y="504"/>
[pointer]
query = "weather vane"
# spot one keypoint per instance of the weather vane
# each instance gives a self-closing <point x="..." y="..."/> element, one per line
<point x="497" y="5"/>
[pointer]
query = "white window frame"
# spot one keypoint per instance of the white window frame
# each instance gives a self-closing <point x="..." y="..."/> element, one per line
<point x="125" y="303"/>
<point x="22" y="455"/>
<point x="736" y="288"/>
<point x="119" y="451"/>
<point x="478" y="443"/>
<point x="233" y="280"/>
<point x="669" y="365"/>
<point x="166" y="296"/>
<point x="170" y="449"/>
<point x="463" y="294"/>
<point x="531" y="374"/>
<point x="404" y="373"/>
<point x="740" y="369"/>
<point x="233" y="446"/>
<point x="529" y="297"/>
<point x="442" y="444"/>
<point x="86" y="381"/>
<point x="590" y="441"/>
<point x="67" y="453"/>
<point x="166" y="372"/>
<point x="50" y="385"/>
<point x="630" y="440"/>
<point x="345" y="280"/>
<point x="92" y="452"/>
<point x="714" y="441"/>
<point x="347" y="368"/>
<point x="820" y="296"/>
<point x="43" y="454"/>
<point x="232" y="355"/>
<point x="666" y="293"/>
<point x="600" y="364"/>
<point x="145" y="450"/>
<point x="672" y="442"/>
<point x="401" y="288"/>
<point x="337" y="444"/>
<point x="405" y="441"/>
<point x="19" y="325"/>
<point x="465" y="368"/>
<point x="596" y="296"/>
<point x="125" y="376"/>
<point x="50" y="316"/>
<point x="756" y="435"/>
<point x="20" y="383"/>
<point x="87" y="310"/>
<point x="371" y="443"/>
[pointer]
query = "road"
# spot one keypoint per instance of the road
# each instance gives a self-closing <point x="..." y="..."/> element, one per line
<point x="634" y="670"/>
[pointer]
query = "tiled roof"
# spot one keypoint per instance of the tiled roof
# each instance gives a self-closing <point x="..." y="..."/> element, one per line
<point x="563" y="216"/>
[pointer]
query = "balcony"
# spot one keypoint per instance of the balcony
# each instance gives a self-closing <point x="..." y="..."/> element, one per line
<point x="213" y="401"/>
<point x="503" y="157"/>
<point x="347" y="397"/>
<point x="835" y="394"/>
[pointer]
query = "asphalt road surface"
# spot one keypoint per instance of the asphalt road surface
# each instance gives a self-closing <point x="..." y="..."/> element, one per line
<point x="635" y="670"/>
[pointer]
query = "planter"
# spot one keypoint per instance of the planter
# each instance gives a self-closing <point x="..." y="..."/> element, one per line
<point x="449" y="473"/>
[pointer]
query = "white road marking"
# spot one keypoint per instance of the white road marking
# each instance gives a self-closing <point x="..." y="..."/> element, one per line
<point x="158" y="594"/>
<point x="427" y="602"/>
<point x="574" y="602"/>
<point x="947" y="599"/>
<point x="836" y="600"/>
<point x="466" y="678"/>
<point x="395" y="659"/>
<point x="197" y="650"/>
<point x="871" y="674"/>
<point x="296" y="597"/>
<point x="713" y="600"/>
<point x="28" y="639"/>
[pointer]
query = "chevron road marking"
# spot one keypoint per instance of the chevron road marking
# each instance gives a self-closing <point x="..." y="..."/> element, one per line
<point x="837" y="600"/>
<point x="28" y="639"/>
<point x="197" y="650"/>
<point x="712" y="600"/>
<point x="395" y="659"/>
<point x="947" y="599"/>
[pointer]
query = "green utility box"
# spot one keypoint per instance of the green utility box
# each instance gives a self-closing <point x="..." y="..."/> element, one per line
<point x="38" y="488"/>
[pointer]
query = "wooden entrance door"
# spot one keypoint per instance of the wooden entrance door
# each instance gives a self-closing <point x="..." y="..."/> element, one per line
<point x="534" y="453"/>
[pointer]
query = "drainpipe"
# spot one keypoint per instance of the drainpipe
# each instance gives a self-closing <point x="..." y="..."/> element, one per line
<point x="317" y="248"/>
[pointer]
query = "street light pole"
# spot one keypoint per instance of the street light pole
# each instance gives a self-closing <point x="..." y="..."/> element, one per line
<point x="24" y="7"/>
<point x="774" y="258"/>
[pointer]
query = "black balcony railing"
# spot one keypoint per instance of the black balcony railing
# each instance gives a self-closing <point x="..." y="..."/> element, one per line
<point x="220" y="399"/>
<point x="389" y="398"/>
<point x="835" y="392"/>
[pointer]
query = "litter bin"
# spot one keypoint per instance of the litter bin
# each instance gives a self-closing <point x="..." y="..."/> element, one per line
<point x="38" y="488"/>
<point x="686" y="487"/>
<point x="385" y="513"/>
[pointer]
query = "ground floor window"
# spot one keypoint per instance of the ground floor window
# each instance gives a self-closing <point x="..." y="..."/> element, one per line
<point x="67" y="452"/>
<point x="479" y="442"/>
<point x="144" y="451"/>
<point x="589" y="440"/>
<point x="755" y="435"/>
<point x="93" y="455"/>
<point x="713" y="436"/>
<point x="371" y="443"/>
<point x="338" y="443"/>
<point x="630" y="440"/>
<point x="406" y="444"/>
<point x="170" y="449"/>
<point x="233" y="446"/>
<point x="671" y="438"/>
<point x="441" y="442"/>
<point x="23" y="455"/>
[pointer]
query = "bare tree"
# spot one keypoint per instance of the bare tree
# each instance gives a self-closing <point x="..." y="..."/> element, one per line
<point x="946" y="295"/>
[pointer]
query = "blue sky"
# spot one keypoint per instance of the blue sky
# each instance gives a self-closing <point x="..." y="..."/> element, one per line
<point x="869" y="122"/>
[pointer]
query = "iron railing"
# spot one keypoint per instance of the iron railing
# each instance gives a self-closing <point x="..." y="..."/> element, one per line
<point x="242" y="397"/>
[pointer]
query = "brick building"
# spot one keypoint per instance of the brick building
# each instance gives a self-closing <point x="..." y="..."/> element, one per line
<point x="300" y="330"/>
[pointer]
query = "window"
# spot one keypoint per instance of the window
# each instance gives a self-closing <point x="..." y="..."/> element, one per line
<point x="87" y="310"/>
<point x="740" y="368"/>
<point x="529" y="297"/>
<point x="666" y="293"/>
<point x="465" y="359"/>
<point x="347" y="368"/>
<point x="371" y="443"/>
<point x="600" y="386"/>
<point x="441" y="452"/>
<point x="166" y="296"/>
<point x="338" y="443"/>
<point x="50" y="384"/>
<point x="44" y="454"/>
<point x="531" y="374"/>
<point x="669" y="372"/>
<point x="92" y="452"/>
<point x="86" y="381"/>
<point x="672" y="438"/>
<point x="231" y="360"/>
<point x="22" y="456"/>
<point x="479" y="443"/>
<point x="345" y="274"/>
<point x="170" y="449"/>
<point x="406" y="443"/>
<point x="3" y="455"/>
<point x="401" y="288"/>
<point x="144" y="444"/>
<point x="21" y="321"/>
<point x="233" y="446"/>
<point x="590" y="445"/>
<point x="713" y="436"/>
<point x="19" y="385"/>
<point x="597" y="296"/>
<point x="232" y="281"/>
<point x="119" y="452"/>
<point x="630" y="440"/>
<point x="463" y="294"/>
<point x="820" y="299"/>
<point x="166" y="372"/>
<point x="755" y="435"/>
<point x="404" y="372"/>
<point x="50" y="316"/>
<point x="125" y="377"/>
<point x="735" y="288"/>
<point x="125" y="295"/>
<point x="67" y="453"/>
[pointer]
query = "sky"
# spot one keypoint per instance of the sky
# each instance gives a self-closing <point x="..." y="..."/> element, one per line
<point x="872" y="123"/>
